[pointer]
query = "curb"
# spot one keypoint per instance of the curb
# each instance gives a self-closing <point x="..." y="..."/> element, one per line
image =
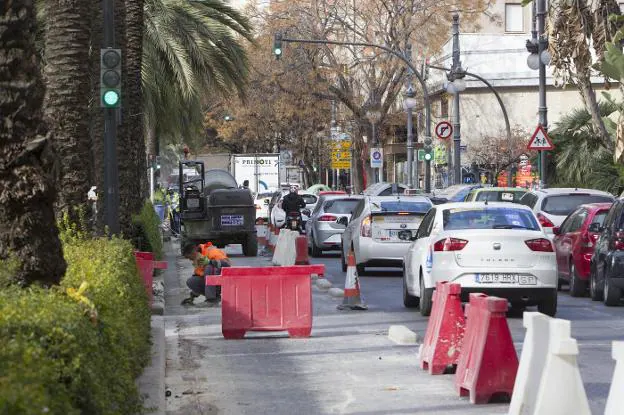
<point x="151" y="383"/>
<point x="402" y="335"/>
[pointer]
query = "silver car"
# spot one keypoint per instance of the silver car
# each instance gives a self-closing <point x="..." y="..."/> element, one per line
<point x="322" y="229"/>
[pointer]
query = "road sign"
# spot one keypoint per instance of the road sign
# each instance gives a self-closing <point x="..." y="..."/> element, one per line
<point x="341" y="164"/>
<point x="443" y="130"/>
<point x="421" y="155"/>
<point x="376" y="157"/>
<point x="540" y="140"/>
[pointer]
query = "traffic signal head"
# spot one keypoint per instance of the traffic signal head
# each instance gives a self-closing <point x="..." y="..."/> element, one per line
<point x="277" y="45"/>
<point x="428" y="152"/>
<point x="110" y="78"/>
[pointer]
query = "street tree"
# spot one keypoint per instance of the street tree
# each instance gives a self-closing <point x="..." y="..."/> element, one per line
<point x="360" y="78"/>
<point x="578" y="30"/>
<point x="67" y="41"/>
<point x="498" y="152"/>
<point x="27" y="223"/>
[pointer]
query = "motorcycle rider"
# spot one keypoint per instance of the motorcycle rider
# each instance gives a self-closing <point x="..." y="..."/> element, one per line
<point x="293" y="202"/>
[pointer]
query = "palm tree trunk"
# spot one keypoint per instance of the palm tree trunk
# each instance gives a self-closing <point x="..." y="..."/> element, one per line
<point x="133" y="62"/>
<point x="589" y="98"/>
<point x="67" y="42"/>
<point x="27" y="224"/>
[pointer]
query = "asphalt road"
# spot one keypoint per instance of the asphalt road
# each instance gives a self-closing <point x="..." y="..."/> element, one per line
<point x="348" y="365"/>
<point x="594" y="325"/>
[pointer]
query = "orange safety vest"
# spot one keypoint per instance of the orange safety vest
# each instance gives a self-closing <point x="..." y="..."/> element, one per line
<point x="209" y="251"/>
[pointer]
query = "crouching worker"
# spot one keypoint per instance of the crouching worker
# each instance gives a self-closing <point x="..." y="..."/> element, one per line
<point x="207" y="260"/>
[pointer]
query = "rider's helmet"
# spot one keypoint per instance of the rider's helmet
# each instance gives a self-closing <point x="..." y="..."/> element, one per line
<point x="293" y="189"/>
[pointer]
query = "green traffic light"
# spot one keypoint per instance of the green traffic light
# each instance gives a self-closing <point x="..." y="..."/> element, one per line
<point x="427" y="156"/>
<point x="278" y="51"/>
<point x="110" y="98"/>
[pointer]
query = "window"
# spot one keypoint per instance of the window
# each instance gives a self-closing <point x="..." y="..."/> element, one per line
<point x="425" y="226"/>
<point x="563" y="205"/>
<point x="529" y="200"/>
<point x="622" y="7"/>
<point x="344" y="206"/>
<point x="514" y="21"/>
<point x="488" y="218"/>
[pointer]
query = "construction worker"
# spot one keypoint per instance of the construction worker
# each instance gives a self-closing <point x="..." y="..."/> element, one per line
<point x="207" y="260"/>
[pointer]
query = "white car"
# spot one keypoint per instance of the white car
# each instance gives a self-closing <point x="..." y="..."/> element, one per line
<point x="380" y="230"/>
<point x="278" y="216"/>
<point x="488" y="247"/>
<point x="552" y="206"/>
<point x="261" y="202"/>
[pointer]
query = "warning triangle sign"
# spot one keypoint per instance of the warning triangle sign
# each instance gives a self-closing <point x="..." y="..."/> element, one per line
<point x="540" y="140"/>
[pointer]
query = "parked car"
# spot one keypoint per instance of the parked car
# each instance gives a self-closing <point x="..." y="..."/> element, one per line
<point x="574" y="245"/>
<point x="606" y="279"/>
<point x="261" y="202"/>
<point x="380" y="229"/>
<point x="455" y="193"/>
<point x="493" y="248"/>
<point x="552" y="206"/>
<point x="322" y="230"/>
<point x="384" y="189"/>
<point x="495" y="194"/>
<point x="278" y="216"/>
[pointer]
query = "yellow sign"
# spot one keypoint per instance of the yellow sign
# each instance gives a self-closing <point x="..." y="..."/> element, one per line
<point x="343" y="145"/>
<point x="341" y="156"/>
<point x="345" y="164"/>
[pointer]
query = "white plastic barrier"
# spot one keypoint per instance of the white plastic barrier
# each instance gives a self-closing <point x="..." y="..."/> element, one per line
<point x="532" y="361"/>
<point x="615" y="402"/>
<point x="561" y="390"/>
<point x="280" y="247"/>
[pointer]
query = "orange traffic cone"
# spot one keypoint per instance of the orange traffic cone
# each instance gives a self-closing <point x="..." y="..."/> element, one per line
<point x="352" y="298"/>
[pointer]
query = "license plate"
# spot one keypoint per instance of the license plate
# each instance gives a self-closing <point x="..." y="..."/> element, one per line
<point x="506" y="279"/>
<point x="192" y="203"/>
<point x="402" y="234"/>
<point x="232" y="220"/>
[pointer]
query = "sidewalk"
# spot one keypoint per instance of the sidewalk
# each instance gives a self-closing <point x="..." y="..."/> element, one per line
<point x="347" y="366"/>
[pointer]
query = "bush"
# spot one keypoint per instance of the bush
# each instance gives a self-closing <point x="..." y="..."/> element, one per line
<point x="147" y="230"/>
<point x="77" y="348"/>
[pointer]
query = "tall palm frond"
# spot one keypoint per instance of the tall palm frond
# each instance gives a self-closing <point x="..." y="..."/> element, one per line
<point x="191" y="50"/>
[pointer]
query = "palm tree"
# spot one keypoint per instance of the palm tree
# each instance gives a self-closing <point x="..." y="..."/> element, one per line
<point x="27" y="224"/>
<point x="582" y="160"/>
<point x="67" y="39"/>
<point x="190" y="50"/>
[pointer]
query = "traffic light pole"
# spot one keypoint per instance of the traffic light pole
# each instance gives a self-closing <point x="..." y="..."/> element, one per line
<point x="401" y="56"/>
<point x="111" y="178"/>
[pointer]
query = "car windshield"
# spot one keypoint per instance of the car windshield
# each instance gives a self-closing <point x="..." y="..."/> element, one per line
<point x="264" y="195"/>
<point x="500" y="195"/>
<point x="488" y="218"/>
<point x="563" y="205"/>
<point x="344" y="206"/>
<point x="402" y="206"/>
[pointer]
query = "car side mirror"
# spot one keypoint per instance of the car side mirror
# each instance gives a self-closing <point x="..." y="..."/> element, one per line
<point x="557" y="230"/>
<point x="267" y="201"/>
<point x="595" y="228"/>
<point x="343" y="221"/>
<point x="306" y="212"/>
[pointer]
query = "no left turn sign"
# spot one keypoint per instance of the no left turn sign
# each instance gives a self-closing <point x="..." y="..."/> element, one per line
<point x="443" y="130"/>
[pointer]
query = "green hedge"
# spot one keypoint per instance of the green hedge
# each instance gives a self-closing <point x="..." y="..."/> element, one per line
<point x="147" y="230"/>
<point x="77" y="348"/>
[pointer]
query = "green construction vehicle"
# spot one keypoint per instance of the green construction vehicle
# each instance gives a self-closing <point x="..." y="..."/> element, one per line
<point x="213" y="208"/>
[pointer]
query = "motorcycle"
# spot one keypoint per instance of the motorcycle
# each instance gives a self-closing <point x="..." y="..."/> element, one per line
<point x="293" y="221"/>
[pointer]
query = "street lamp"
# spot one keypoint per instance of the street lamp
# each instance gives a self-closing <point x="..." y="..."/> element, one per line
<point x="374" y="115"/>
<point x="409" y="103"/>
<point x="456" y="85"/>
<point x="538" y="59"/>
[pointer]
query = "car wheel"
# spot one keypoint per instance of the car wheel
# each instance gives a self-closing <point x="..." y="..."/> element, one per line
<point x="548" y="306"/>
<point x="250" y="247"/>
<point x="316" y="252"/>
<point x="409" y="301"/>
<point x="426" y="295"/>
<point x="594" y="290"/>
<point x="343" y="263"/>
<point x="578" y="287"/>
<point x="611" y="295"/>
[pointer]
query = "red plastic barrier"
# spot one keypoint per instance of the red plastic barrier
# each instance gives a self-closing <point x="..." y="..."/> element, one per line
<point x="445" y="330"/>
<point x="146" y="265"/>
<point x="301" y="244"/>
<point x="265" y="299"/>
<point x="488" y="361"/>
